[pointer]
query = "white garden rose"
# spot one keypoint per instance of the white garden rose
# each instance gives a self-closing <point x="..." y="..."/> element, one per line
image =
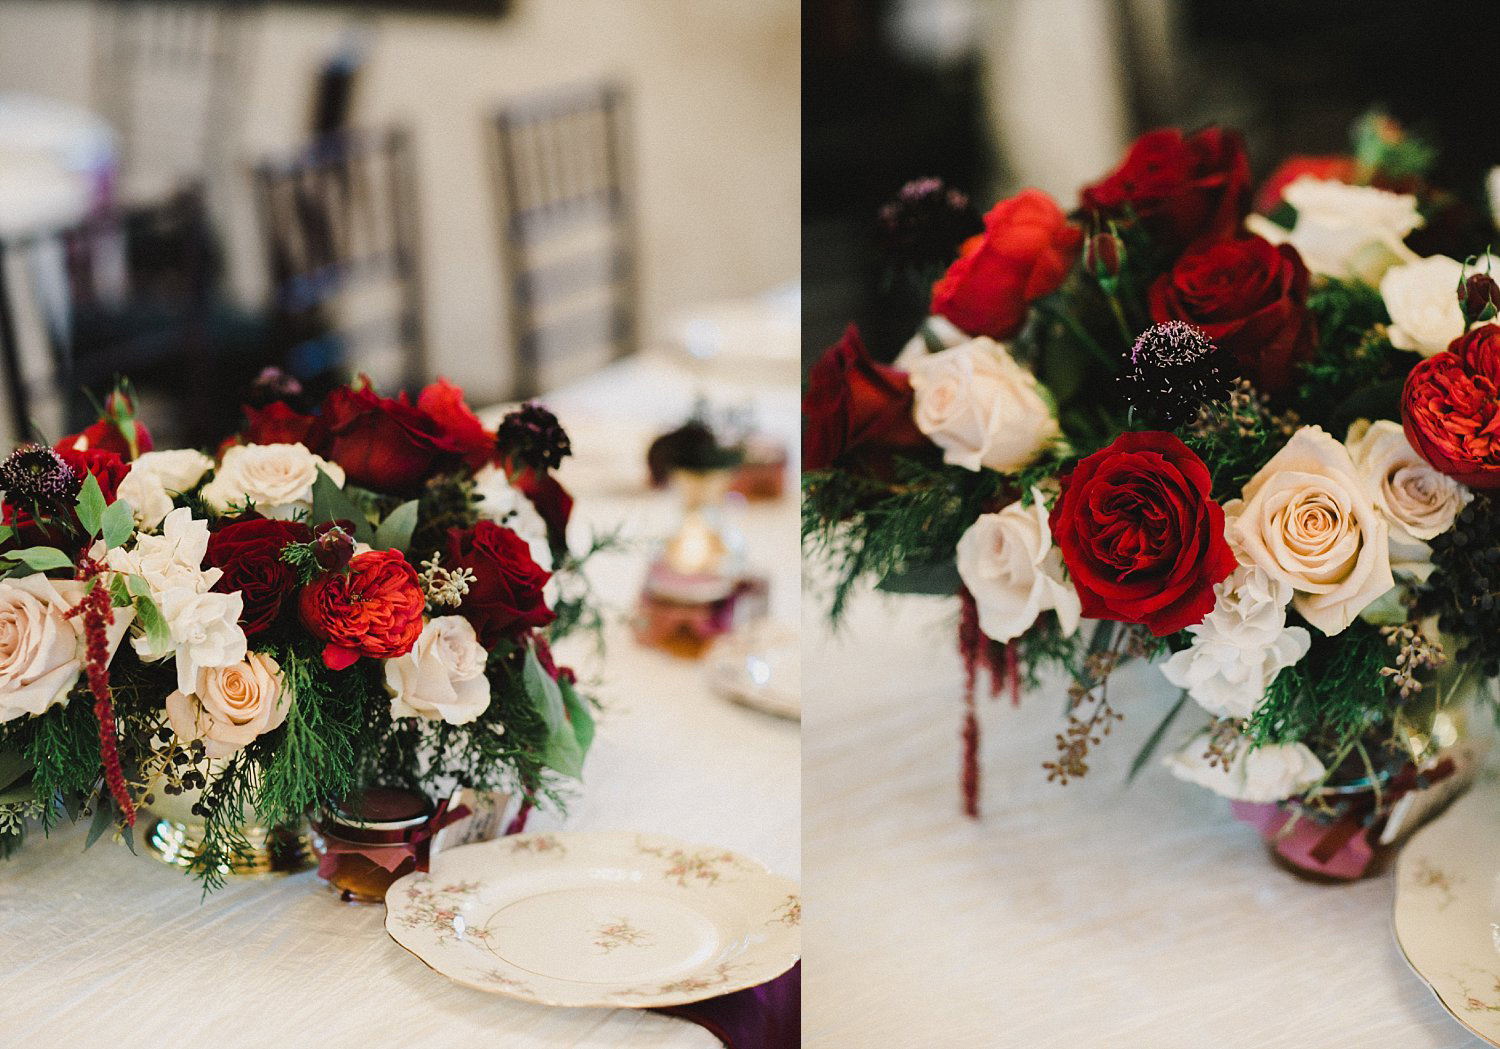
<point x="42" y="653"/>
<point x="1240" y="646"/>
<point x="496" y="499"/>
<point x="981" y="407"/>
<point x="1417" y="502"/>
<point x="1422" y="299"/>
<point x="204" y="633"/>
<point x="1308" y="519"/>
<point x="1492" y="191"/>
<point x="172" y="560"/>
<point x="277" y="478"/>
<point x="1264" y="774"/>
<point x="442" y="677"/>
<point x="1350" y="232"/>
<point x="157" y="476"/>
<point x="937" y="333"/>
<point x="230" y="706"/>
<point x="1010" y="565"/>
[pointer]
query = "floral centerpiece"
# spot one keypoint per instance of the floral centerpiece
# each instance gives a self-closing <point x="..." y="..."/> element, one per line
<point x="364" y="593"/>
<point x="1260" y="447"/>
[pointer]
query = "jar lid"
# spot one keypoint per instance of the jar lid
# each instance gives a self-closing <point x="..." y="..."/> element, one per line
<point x="382" y="808"/>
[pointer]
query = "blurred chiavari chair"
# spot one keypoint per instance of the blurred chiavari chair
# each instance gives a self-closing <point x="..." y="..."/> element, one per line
<point x="169" y="75"/>
<point x="340" y="223"/>
<point x="124" y="293"/>
<point x="568" y="233"/>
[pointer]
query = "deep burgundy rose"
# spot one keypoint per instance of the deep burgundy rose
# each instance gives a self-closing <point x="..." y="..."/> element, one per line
<point x="856" y="413"/>
<point x="374" y="609"/>
<point x="444" y="404"/>
<point x="1250" y="297"/>
<point x="1450" y="408"/>
<point x="1142" y="539"/>
<point x="1024" y="253"/>
<point x="279" y="423"/>
<point x="505" y="599"/>
<point x="249" y="553"/>
<point x="384" y="444"/>
<point x="1182" y="188"/>
<point x="551" y="500"/>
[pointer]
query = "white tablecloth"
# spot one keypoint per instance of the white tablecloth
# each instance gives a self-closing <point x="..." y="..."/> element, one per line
<point x="105" y="948"/>
<point x="1090" y="915"/>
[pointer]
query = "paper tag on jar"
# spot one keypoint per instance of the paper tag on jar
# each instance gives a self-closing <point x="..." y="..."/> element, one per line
<point x="488" y="816"/>
<point x="1416" y="807"/>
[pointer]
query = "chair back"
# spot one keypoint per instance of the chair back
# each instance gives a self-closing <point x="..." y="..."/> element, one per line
<point x="568" y="233"/>
<point x="117" y="295"/>
<point x="340" y="224"/>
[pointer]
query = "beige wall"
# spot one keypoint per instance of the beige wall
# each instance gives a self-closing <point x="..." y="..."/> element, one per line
<point x="717" y="101"/>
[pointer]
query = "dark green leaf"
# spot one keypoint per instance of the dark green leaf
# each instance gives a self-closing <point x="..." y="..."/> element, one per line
<point x="117" y="524"/>
<point x="13" y="767"/>
<point x="90" y="504"/>
<point x="561" y="751"/>
<point x="104" y="816"/>
<point x="941" y="579"/>
<point x="1154" y="740"/>
<point x="579" y="714"/>
<point x="395" y="531"/>
<point x="331" y="504"/>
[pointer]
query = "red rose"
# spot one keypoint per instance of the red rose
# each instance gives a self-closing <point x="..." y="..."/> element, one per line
<point x="551" y="500"/>
<point x="505" y="599"/>
<point x="1181" y="188"/>
<point x="374" y="609"/>
<point x="1250" y="298"/>
<point x="1142" y="540"/>
<point x="1450" y="408"/>
<point x="1334" y="168"/>
<point x="384" y="444"/>
<point x="1023" y="254"/>
<point x="857" y="413"/>
<point x="249" y="553"/>
<point x="444" y="404"/>
<point x="279" y="423"/>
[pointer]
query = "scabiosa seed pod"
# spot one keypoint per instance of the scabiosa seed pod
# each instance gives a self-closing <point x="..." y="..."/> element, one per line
<point x="1173" y="372"/>
<point x="35" y="475"/>
<point x="921" y="229"/>
<point x="532" y="436"/>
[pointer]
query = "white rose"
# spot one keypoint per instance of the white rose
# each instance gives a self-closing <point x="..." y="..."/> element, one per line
<point x="1309" y="520"/>
<point x="1417" y="502"/>
<point x="230" y="706"/>
<point x="1271" y="772"/>
<point x="937" y="333"/>
<point x="277" y="478"/>
<point x="204" y="633"/>
<point x="172" y="560"/>
<point x="442" y="676"/>
<point x="1422" y="299"/>
<point x="981" y="407"/>
<point x="1240" y="646"/>
<point x="1345" y="231"/>
<point x="41" y="652"/>
<point x="156" y="476"/>
<point x="1492" y="191"/>
<point x="1008" y="562"/>
<point x="496" y="499"/>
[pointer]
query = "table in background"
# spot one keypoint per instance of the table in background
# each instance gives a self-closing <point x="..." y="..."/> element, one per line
<point x="106" y="948"/>
<point x="1088" y="915"/>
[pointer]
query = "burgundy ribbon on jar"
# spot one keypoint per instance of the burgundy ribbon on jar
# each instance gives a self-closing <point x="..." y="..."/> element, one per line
<point x="387" y="848"/>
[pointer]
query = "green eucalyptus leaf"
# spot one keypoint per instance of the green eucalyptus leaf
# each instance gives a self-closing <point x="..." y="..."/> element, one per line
<point x="579" y="714"/>
<point x="104" y="815"/>
<point x="6" y="531"/>
<point x="90" y="504"/>
<point x="395" y="531"/>
<point x="561" y="751"/>
<point x="118" y="523"/>
<point x="13" y="767"/>
<point x="158" y="636"/>
<point x="329" y="503"/>
<point x="41" y="558"/>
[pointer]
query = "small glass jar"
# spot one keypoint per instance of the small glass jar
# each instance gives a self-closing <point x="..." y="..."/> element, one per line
<point x="373" y="838"/>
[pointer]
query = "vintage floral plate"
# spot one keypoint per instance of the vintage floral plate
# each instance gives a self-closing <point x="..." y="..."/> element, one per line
<point x="760" y="667"/>
<point x="603" y="919"/>
<point x="1447" y="912"/>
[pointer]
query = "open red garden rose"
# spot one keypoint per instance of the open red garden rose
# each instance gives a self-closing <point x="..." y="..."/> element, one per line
<point x="1142" y="539"/>
<point x="1024" y="253"/>
<point x="1250" y="298"/>
<point x="1182" y="188"/>
<point x="1450" y="408"/>
<point x="505" y="598"/>
<point x="386" y="444"/>
<point x="249" y="554"/>
<point x="856" y="413"/>
<point x="374" y="609"/>
<point x="444" y="403"/>
<point x="279" y="423"/>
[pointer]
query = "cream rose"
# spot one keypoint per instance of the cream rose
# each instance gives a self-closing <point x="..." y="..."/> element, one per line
<point x="1422" y="299"/>
<point x="1345" y="231"/>
<point x="172" y="560"/>
<point x="981" y="407"/>
<point x="277" y="478"/>
<point x="442" y="676"/>
<point x="41" y="652"/>
<point x="203" y="633"/>
<point x="156" y="476"/>
<point x="936" y="333"/>
<point x="1308" y="519"/>
<point x="230" y="706"/>
<point x="1010" y="565"/>
<point x="1417" y="502"/>
<point x="1271" y="772"/>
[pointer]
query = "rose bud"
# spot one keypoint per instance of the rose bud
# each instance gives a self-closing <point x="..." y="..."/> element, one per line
<point x="333" y="547"/>
<point x="1104" y="256"/>
<point x="1480" y="297"/>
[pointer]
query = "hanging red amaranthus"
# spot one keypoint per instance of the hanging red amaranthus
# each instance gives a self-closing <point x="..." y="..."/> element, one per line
<point x="98" y="614"/>
<point x="1004" y="669"/>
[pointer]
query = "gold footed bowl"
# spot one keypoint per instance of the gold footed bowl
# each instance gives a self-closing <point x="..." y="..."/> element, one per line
<point x="174" y="835"/>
